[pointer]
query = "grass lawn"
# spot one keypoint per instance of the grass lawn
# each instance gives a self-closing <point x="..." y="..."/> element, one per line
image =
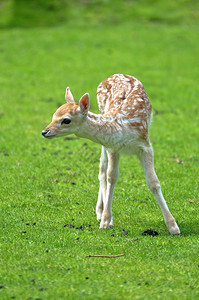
<point x="46" y="185"/>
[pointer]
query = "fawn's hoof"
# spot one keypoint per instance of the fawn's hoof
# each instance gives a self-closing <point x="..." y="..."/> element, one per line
<point x="111" y="223"/>
<point x="106" y="223"/>
<point x="173" y="227"/>
<point x="174" y="230"/>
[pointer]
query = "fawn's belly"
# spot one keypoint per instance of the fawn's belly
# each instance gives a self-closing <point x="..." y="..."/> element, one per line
<point x="126" y="143"/>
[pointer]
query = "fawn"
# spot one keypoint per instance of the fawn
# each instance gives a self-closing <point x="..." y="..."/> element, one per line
<point x="122" y="127"/>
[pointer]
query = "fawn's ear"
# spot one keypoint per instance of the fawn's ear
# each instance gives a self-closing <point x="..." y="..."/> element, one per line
<point x="84" y="104"/>
<point x="69" y="96"/>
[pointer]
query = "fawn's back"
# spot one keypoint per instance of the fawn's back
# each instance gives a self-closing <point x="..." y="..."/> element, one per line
<point x="123" y="97"/>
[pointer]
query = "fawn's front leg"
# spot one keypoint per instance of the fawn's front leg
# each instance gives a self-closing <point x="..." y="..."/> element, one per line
<point x="112" y="176"/>
<point x="103" y="183"/>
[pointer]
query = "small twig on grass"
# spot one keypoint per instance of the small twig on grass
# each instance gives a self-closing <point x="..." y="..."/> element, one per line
<point x="109" y="256"/>
<point x="179" y="161"/>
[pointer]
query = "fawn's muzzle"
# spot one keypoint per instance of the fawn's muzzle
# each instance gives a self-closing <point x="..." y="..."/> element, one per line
<point x="45" y="132"/>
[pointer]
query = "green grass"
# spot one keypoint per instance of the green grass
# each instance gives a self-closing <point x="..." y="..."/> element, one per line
<point x="47" y="184"/>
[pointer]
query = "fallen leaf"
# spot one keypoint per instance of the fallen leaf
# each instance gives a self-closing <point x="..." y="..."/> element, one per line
<point x="191" y="200"/>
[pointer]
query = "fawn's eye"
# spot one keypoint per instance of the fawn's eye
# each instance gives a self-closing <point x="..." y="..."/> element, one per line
<point x="65" y="121"/>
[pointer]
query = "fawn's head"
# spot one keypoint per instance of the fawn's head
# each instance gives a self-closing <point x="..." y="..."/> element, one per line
<point x="69" y="117"/>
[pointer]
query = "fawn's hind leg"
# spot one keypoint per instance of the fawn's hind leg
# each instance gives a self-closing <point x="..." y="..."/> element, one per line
<point x="146" y="159"/>
<point x="103" y="183"/>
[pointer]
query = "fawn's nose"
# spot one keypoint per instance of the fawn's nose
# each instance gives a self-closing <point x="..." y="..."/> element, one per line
<point x="44" y="132"/>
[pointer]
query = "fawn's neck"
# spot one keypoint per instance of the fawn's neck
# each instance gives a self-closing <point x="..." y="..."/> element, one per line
<point x="98" y="128"/>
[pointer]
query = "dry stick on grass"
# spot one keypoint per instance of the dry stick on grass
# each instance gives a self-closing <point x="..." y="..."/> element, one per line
<point x="179" y="161"/>
<point x="109" y="256"/>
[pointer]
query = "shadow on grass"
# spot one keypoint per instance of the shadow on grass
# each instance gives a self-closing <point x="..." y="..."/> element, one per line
<point x="51" y="13"/>
<point x="189" y="228"/>
<point x="35" y="13"/>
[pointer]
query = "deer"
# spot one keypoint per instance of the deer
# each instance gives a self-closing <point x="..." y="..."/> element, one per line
<point x="122" y="127"/>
